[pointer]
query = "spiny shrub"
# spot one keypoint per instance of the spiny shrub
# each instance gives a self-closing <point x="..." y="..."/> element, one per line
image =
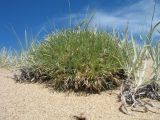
<point x="80" y="60"/>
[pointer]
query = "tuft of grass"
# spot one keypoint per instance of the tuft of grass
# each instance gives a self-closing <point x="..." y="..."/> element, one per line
<point x="3" y="57"/>
<point x="7" y="58"/>
<point x="138" y="87"/>
<point x="79" y="60"/>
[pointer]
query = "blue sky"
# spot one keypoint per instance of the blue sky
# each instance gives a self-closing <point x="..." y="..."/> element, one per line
<point x="40" y="16"/>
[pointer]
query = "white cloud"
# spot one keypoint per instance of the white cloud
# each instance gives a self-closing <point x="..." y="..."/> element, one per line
<point x="138" y="15"/>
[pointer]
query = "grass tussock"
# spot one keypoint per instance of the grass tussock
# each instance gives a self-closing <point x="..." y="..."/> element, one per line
<point x="80" y="60"/>
<point x="8" y="58"/>
<point x="137" y="86"/>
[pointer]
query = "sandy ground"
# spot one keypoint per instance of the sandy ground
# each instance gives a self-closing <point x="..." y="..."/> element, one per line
<point x="35" y="102"/>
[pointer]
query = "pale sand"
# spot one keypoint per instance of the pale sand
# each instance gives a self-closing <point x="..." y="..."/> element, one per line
<point x="35" y="102"/>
